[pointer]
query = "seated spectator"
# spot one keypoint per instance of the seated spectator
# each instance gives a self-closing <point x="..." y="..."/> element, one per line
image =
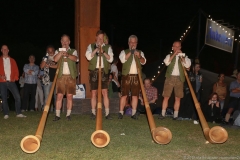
<point x="152" y="96"/>
<point x="212" y="108"/>
<point x="234" y="98"/>
<point x="220" y="87"/>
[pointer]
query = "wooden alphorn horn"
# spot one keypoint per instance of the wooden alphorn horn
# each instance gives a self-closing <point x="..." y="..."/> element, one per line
<point x="31" y="143"/>
<point x="216" y="134"/>
<point x="161" y="135"/>
<point x="100" y="138"/>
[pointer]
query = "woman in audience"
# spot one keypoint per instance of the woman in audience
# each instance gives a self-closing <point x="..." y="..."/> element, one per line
<point x="212" y="108"/>
<point x="220" y="88"/>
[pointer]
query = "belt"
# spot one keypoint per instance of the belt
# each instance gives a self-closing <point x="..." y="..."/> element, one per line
<point x="132" y="74"/>
<point x="66" y="74"/>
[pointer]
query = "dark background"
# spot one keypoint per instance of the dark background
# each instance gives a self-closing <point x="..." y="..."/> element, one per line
<point x="28" y="26"/>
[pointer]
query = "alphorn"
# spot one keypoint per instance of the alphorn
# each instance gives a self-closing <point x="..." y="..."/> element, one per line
<point x="216" y="134"/>
<point x="161" y="135"/>
<point x="31" y="143"/>
<point x="100" y="138"/>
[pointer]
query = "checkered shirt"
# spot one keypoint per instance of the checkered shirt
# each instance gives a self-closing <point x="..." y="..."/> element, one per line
<point x="151" y="93"/>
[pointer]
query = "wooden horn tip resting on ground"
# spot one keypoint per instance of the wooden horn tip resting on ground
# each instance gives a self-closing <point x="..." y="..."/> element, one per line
<point x="216" y="134"/>
<point x="161" y="135"/>
<point x="31" y="143"/>
<point x="100" y="138"/>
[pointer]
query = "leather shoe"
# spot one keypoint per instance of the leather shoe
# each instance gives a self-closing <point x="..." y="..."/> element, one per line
<point x="135" y="116"/>
<point x="56" y="118"/>
<point x="120" y="116"/>
<point x="93" y="117"/>
<point x="161" y="116"/>
<point x="108" y="117"/>
<point x="68" y="118"/>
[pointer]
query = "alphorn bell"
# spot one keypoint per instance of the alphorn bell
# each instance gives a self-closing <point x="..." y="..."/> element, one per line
<point x="161" y="135"/>
<point x="100" y="138"/>
<point x="216" y="134"/>
<point x="31" y="143"/>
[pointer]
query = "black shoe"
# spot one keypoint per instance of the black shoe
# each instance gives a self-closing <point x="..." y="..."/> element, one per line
<point x="68" y="118"/>
<point x="108" y="117"/>
<point x="120" y="116"/>
<point x="175" y="118"/>
<point x="161" y="116"/>
<point x="93" y="117"/>
<point x="56" y="118"/>
<point x="135" y="116"/>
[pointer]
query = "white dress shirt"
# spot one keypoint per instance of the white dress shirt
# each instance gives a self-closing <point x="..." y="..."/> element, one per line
<point x="175" y="72"/>
<point x="7" y="68"/>
<point x="89" y="56"/>
<point x="133" y="68"/>
<point x="65" y="64"/>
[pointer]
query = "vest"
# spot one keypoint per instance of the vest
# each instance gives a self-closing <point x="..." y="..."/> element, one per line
<point x="171" y="66"/>
<point x="71" y="65"/>
<point x="126" y="66"/>
<point x="93" y="61"/>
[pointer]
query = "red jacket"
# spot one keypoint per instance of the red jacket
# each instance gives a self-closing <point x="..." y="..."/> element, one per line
<point x="14" y="70"/>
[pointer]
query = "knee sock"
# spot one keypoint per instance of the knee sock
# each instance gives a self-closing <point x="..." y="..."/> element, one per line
<point x="121" y="112"/>
<point x="68" y="112"/>
<point x="94" y="111"/>
<point x="58" y="113"/>
<point x="175" y="114"/>
<point x="227" y="117"/>
<point x="163" y="113"/>
<point x="106" y="111"/>
<point x="133" y="111"/>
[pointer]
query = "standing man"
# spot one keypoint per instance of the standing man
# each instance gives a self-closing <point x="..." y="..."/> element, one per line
<point x="92" y="54"/>
<point x="8" y="75"/>
<point x="30" y="86"/>
<point x="66" y="82"/>
<point x="49" y="68"/>
<point x="152" y="96"/>
<point x="130" y="81"/>
<point x="174" y="78"/>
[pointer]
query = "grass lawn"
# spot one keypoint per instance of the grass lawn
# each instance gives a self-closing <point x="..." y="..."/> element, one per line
<point x="71" y="139"/>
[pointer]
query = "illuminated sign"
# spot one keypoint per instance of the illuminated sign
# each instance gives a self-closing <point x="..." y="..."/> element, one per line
<point x="219" y="36"/>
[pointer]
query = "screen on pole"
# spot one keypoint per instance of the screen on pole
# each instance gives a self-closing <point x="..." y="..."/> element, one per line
<point x="219" y="36"/>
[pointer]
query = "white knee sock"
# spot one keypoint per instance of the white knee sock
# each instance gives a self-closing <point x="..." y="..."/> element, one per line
<point x="106" y="111"/>
<point x="121" y="112"/>
<point x="133" y="111"/>
<point x="163" y="113"/>
<point x="175" y="114"/>
<point x="94" y="111"/>
<point x="68" y="112"/>
<point x="58" y="113"/>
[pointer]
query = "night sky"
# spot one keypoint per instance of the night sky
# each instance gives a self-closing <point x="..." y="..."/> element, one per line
<point x="28" y="26"/>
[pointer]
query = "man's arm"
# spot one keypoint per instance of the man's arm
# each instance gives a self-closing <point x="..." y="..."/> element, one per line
<point x="141" y="57"/>
<point x="89" y="53"/>
<point x="109" y="55"/>
<point x="124" y="57"/>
